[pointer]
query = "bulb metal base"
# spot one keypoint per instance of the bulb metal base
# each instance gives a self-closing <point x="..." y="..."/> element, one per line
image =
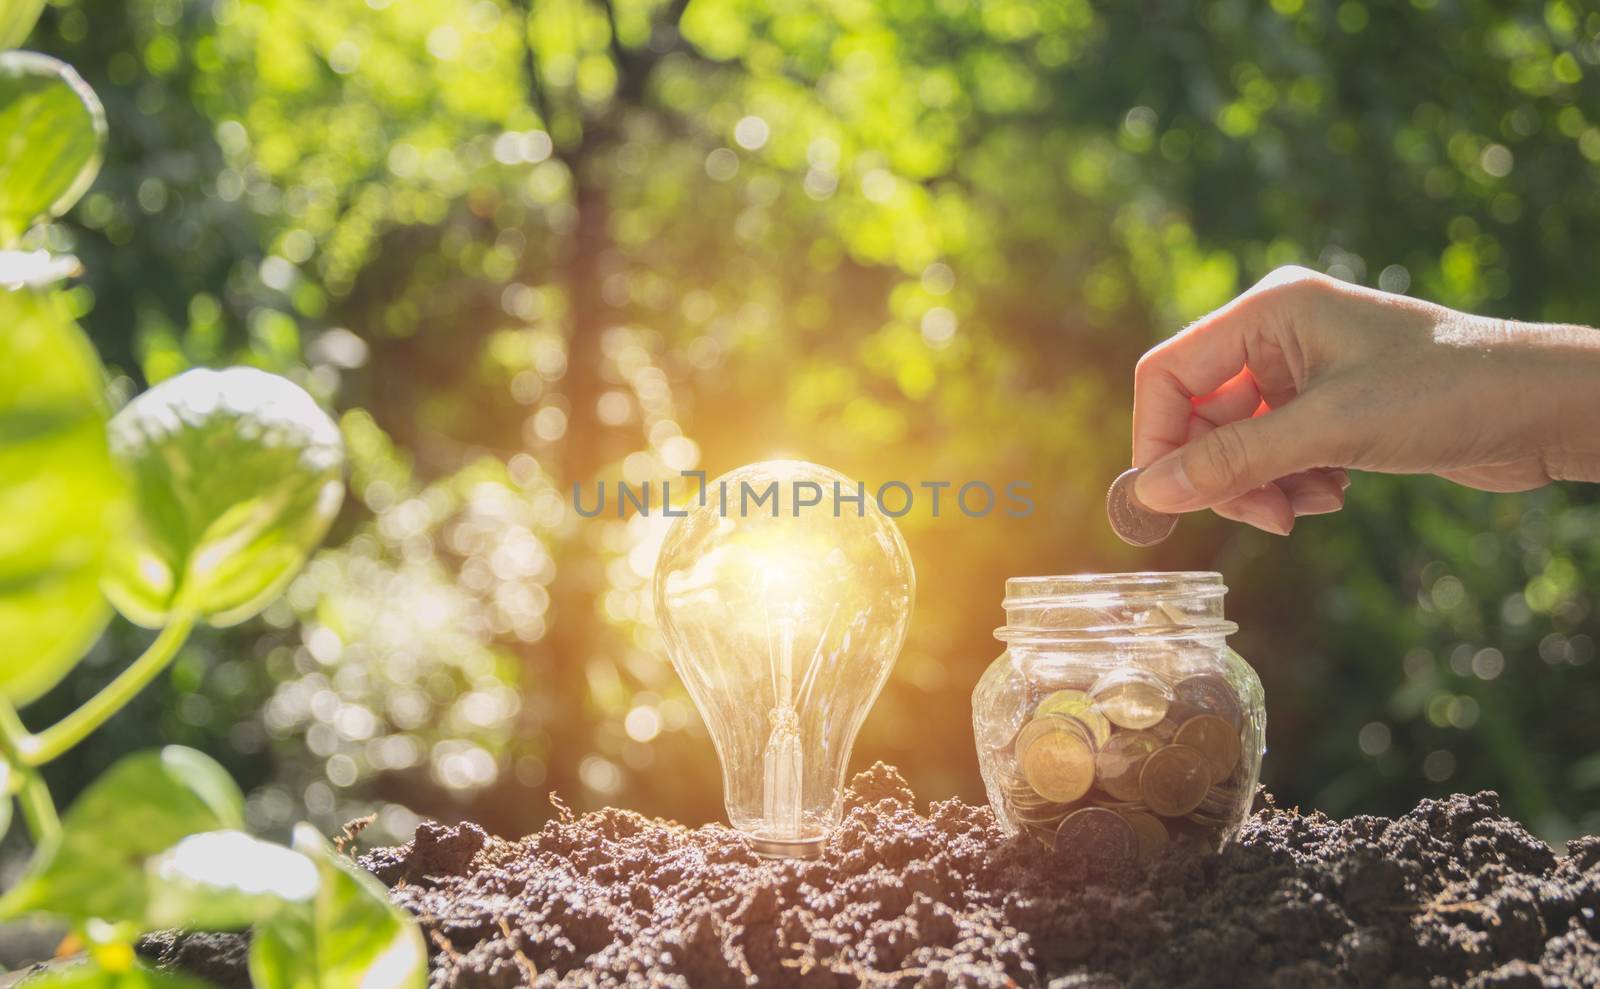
<point x="786" y="848"/>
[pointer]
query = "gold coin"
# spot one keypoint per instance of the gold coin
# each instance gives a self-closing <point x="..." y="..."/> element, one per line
<point x="1131" y="698"/>
<point x="1152" y="834"/>
<point x="1164" y="729"/>
<point x="1046" y="724"/>
<point x="1110" y="803"/>
<point x="1021" y="808"/>
<point x="1014" y="785"/>
<point x="1041" y="811"/>
<point x="1020" y="792"/>
<point x="1098" y="835"/>
<point x="1206" y="693"/>
<point x="1117" y="763"/>
<point x="1063" y="702"/>
<point x="1076" y="704"/>
<point x="1174" y="781"/>
<point x="1059" y="766"/>
<point x="1099" y="727"/>
<point x="1213" y="738"/>
<point x="1049" y="814"/>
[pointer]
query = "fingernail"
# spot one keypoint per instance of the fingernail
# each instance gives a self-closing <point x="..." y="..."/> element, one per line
<point x="1268" y="522"/>
<point x="1315" y="503"/>
<point x="1164" y="486"/>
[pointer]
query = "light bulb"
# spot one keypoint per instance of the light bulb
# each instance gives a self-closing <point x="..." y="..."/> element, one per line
<point x="783" y="597"/>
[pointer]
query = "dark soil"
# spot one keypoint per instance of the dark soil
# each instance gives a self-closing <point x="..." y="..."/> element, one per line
<point x="1451" y="893"/>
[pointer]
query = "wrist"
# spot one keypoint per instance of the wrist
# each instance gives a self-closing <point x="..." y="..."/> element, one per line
<point x="1563" y="384"/>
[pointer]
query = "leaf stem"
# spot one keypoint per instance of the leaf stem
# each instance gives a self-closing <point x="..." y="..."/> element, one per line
<point x="38" y="809"/>
<point x="36" y="750"/>
<point x="31" y="793"/>
<point x="13" y="735"/>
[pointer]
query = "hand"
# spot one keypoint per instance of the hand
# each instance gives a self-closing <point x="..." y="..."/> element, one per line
<point x="1257" y="410"/>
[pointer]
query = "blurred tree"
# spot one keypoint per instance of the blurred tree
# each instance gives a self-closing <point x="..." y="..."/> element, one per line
<point x="532" y="246"/>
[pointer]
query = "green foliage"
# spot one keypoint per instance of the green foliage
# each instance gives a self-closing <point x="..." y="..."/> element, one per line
<point x="523" y="246"/>
<point x="351" y="937"/>
<point x="105" y="865"/>
<point x="238" y="476"/>
<point x="17" y="18"/>
<point x="152" y="844"/>
<point x="52" y="130"/>
<point x="222" y="880"/>
<point x="58" y="487"/>
<point x="5" y="805"/>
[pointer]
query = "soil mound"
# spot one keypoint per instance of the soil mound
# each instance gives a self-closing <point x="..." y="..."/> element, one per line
<point x="1451" y="893"/>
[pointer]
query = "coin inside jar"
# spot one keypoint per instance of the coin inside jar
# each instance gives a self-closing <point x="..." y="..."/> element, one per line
<point x="1098" y="834"/>
<point x="1046" y="833"/>
<point x="1206" y="693"/>
<point x="1163" y="661"/>
<point x="1152" y="834"/>
<point x="1044" y="724"/>
<point x="1058" y="764"/>
<point x="1216" y="740"/>
<point x="1221" y="799"/>
<point x="1164" y="729"/>
<point x="1022" y="800"/>
<point x="1222" y="805"/>
<point x="1076" y="704"/>
<point x="1131" y="521"/>
<point x="1049" y="815"/>
<point x="1131" y="698"/>
<point x="1068" y="701"/>
<point x="1119" y="761"/>
<point x="1174" y="780"/>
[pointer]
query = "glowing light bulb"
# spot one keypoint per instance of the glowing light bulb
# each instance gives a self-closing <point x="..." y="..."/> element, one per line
<point x="784" y="598"/>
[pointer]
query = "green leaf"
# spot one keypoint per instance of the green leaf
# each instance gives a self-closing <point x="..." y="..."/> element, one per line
<point x="52" y="135"/>
<point x="222" y="880"/>
<point x="17" y="18"/>
<point x="59" y="491"/>
<point x="136" y="811"/>
<point x="39" y="269"/>
<point x="7" y="802"/>
<point x="352" y="935"/>
<point x="89" y="975"/>
<point x="237" y="475"/>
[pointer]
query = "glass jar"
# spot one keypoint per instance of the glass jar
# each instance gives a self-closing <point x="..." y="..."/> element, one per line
<point x="1117" y="718"/>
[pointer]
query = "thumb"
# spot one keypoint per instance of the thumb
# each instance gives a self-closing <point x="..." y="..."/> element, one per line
<point x="1235" y="458"/>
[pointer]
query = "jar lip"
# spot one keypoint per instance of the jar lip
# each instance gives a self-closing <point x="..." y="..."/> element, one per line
<point x="1178" y="581"/>
<point x="1094" y="600"/>
<point x="1115" y="634"/>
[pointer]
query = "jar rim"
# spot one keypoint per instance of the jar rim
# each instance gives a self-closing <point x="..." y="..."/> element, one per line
<point x="1028" y="588"/>
<point x="1114" y="634"/>
<point x="1096" y="594"/>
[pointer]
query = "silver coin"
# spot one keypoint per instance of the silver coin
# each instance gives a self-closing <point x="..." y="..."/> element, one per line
<point x="1206" y="693"/>
<point x="1132" y="522"/>
<point x="1098" y="835"/>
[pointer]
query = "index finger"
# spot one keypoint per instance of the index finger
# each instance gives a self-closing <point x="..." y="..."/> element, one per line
<point x="1172" y="376"/>
<point x="1185" y="367"/>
